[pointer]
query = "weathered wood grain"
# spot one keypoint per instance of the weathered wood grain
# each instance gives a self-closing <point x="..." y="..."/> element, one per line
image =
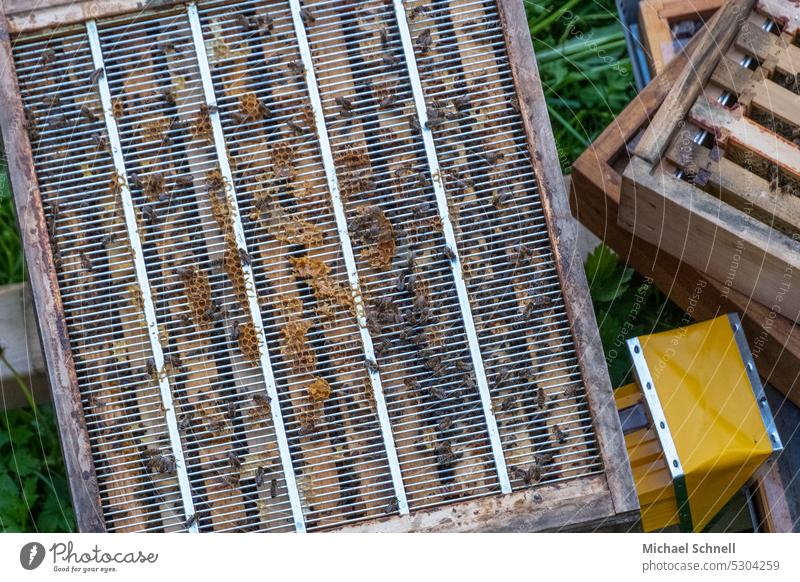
<point x="595" y="193"/>
<point x="50" y="313"/>
<point x="563" y="236"/>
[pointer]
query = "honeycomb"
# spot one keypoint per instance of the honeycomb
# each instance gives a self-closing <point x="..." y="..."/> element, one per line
<point x="319" y="390"/>
<point x="297" y="231"/>
<point x="373" y="230"/>
<point x="356" y="173"/>
<point x="198" y="292"/>
<point x="283" y="161"/>
<point x="232" y="256"/>
<point x="329" y="293"/>
<point x="251" y="108"/>
<point x="295" y="346"/>
<point x="248" y="341"/>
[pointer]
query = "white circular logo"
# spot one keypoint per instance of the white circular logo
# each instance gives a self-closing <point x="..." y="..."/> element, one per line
<point x="31" y="555"/>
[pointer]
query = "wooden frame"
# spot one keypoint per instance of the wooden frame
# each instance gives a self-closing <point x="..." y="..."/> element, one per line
<point x="50" y="313"/>
<point x="606" y="499"/>
<point x="595" y="193"/>
<point x="727" y="243"/>
<point x="656" y="18"/>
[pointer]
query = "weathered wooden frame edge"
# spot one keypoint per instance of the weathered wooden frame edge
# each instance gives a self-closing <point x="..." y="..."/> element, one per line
<point x="49" y="310"/>
<point x="563" y="233"/>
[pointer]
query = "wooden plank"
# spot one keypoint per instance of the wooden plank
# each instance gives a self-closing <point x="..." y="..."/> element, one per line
<point x="586" y="501"/>
<point x="733" y="130"/>
<point x="55" y="13"/>
<point x="776" y="517"/>
<point x="50" y="313"/>
<point x="595" y="193"/>
<point x="674" y="10"/>
<point x="754" y="89"/>
<point x="656" y="34"/>
<point x="22" y="347"/>
<point x="710" y="235"/>
<point x="563" y="236"/>
<point x="727" y="180"/>
<point x="720" y="31"/>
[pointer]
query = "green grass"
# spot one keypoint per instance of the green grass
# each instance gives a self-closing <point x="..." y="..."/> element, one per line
<point x="11" y="263"/>
<point x="587" y="79"/>
<point x="585" y="69"/>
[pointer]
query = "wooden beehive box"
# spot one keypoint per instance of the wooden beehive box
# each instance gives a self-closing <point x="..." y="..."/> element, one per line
<point x="595" y="195"/>
<point x="714" y="179"/>
<point x="668" y="25"/>
<point x="304" y="266"/>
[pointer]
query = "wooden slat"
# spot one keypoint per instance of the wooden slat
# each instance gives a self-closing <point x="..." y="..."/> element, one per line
<point x="734" y="184"/>
<point x="733" y="129"/>
<point x="656" y="34"/>
<point x="771" y="498"/>
<point x="754" y="89"/>
<point x="563" y="237"/>
<point x="23" y="17"/>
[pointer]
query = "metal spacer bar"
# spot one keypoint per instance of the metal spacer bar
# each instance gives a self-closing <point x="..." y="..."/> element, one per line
<point x="450" y="239"/>
<point x="755" y="382"/>
<point x="647" y="386"/>
<point x="254" y="308"/>
<point x="142" y="278"/>
<point x="349" y="257"/>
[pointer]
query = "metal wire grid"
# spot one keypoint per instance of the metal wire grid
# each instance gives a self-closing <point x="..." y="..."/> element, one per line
<point x="503" y="240"/>
<point x="438" y="424"/>
<point x="97" y="282"/>
<point x="342" y="470"/>
<point x="228" y="436"/>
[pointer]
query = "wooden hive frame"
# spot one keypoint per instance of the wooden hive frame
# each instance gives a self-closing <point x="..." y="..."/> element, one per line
<point x="595" y="192"/>
<point x="658" y="18"/>
<point x="684" y="189"/>
<point x="595" y="186"/>
<point x="607" y="499"/>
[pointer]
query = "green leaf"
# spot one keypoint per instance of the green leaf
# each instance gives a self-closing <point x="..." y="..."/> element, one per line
<point x="13" y="511"/>
<point x="25" y="462"/>
<point x="20" y="434"/>
<point x="608" y="280"/>
<point x="55" y="516"/>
